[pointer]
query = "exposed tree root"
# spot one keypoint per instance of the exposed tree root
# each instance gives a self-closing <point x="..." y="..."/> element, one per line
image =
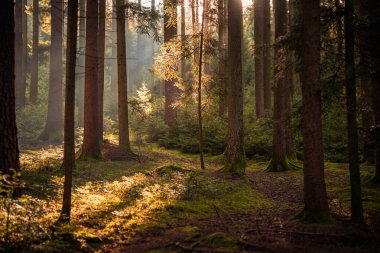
<point x="284" y="164"/>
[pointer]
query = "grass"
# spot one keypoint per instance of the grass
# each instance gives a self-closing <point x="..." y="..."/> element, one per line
<point x="112" y="200"/>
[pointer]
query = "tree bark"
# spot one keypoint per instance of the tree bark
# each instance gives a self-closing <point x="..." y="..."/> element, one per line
<point x="374" y="38"/>
<point x="54" y="121"/>
<point x="235" y="163"/>
<point x="81" y="62"/>
<point x="170" y="31"/>
<point x="315" y="196"/>
<point x="222" y="62"/>
<point x="124" y="142"/>
<point x="282" y="137"/>
<point x="183" y="38"/>
<point x="34" y="64"/>
<point x="9" y="153"/>
<point x="69" y="128"/>
<point x="114" y="57"/>
<point x="24" y="52"/>
<point x="18" y="52"/>
<point x="267" y="55"/>
<point x="353" y="147"/>
<point x="91" y="144"/>
<point x="259" y="57"/>
<point x="101" y="51"/>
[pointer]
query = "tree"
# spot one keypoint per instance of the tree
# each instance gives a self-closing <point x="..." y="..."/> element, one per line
<point x="34" y="64"/>
<point x="101" y="51"/>
<point x="315" y="196"/>
<point x="267" y="55"/>
<point x="9" y="153"/>
<point x="353" y="146"/>
<point x="374" y="38"/>
<point x="200" y="126"/>
<point x="124" y="142"/>
<point x="170" y="31"/>
<point x="114" y="56"/>
<point x="281" y="147"/>
<point x="69" y="128"/>
<point x="19" y="49"/>
<point x="235" y="163"/>
<point x="259" y="57"/>
<point x="91" y="144"/>
<point x="222" y="63"/>
<point x="54" y="121"/>
<point x="81" y="62"/>
<point x="183" y="34"/>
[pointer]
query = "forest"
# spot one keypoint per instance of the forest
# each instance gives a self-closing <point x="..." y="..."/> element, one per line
<point x="190" y="126"/>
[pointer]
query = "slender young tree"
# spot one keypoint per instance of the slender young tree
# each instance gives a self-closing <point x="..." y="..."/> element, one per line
<point x="353" y="146"/>
<point x="54" y="121"/>
<point x="9" y="153"/>
<point x="315" y="196"/>
<point x="91" y="144"/>
<point x="236" y="162"/>
<point x="124" y="141"/>
<point x="34" y="63"/>
<point x="170" y="31"/>
<point x="81" y="61"/>
<point x="200" y="126"/>
<point x="267" y="55"/>
<point x="69" y="128"/>
<point x="259" y="57"/>
<point x="101" y="52"/>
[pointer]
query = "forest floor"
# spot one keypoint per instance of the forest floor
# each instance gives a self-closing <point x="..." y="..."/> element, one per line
<point x="162" y="202"/>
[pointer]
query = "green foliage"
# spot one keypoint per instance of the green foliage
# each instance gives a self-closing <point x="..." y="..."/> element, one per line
<point x="31" y="121"/>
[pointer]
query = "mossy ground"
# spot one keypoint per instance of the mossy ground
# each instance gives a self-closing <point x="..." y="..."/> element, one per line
<point x="162" y="195"/>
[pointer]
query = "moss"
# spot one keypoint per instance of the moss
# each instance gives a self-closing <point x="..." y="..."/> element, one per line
<point x="170" y="169"/>
<point x="285" y="164"/>
<point x="237" y="167"/>
<point x="87" y="157"/>
<point x="318" y="217"/>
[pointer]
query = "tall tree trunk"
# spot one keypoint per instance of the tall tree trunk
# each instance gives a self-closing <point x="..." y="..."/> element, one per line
<point x="267" y="55"/>
<point x="9" y="153"/>
<point x="153" y="8"/>
<point x="183" y="34"/>
<point x="235" y="163"/>
<point x="374" y="37"/>
<point x="114" y="57"/>
<point x="259" y="57"/>
<point x="54" y="121"/>
<point x="139" y="50"/>
<point x="353" y="147"/>
<point x="91" y="144"/>
<point x="315" y="196"/>
<point x="69" y="129"/>
<point x="34" y="64"/>
<point x="24" y="52"/>
<point x="170" y="31"/>
<point x="18" y="53"/>
<point x="81" y="68"/>
<point x="124" y="142"/>
<point x="222" y="37"/>
<point x="101" y="52"/>
<point x="281" y="145"/>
